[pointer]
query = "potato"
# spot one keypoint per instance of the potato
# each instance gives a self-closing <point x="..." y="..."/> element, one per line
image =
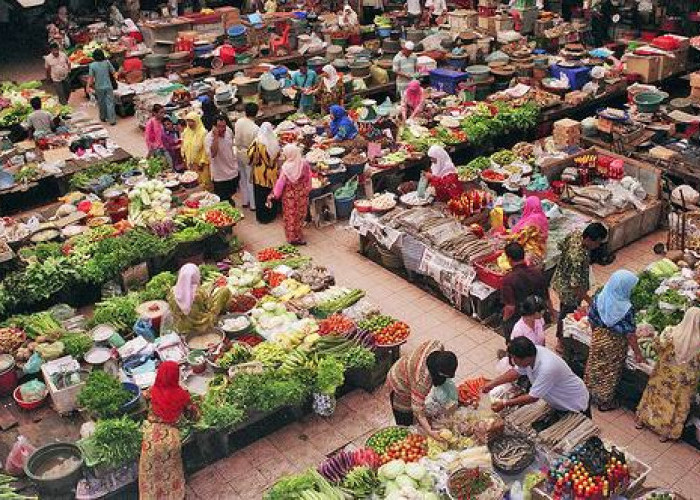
<point x="42" y="339"/>
<point x="682" y="263"/>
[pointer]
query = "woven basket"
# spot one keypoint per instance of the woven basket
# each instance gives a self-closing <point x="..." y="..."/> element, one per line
<point x="389" y="259"/>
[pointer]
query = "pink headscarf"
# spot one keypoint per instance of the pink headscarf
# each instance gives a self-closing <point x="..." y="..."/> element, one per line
<point x="414" y="94"/>
<point x="293" y="166"/>
<point x="188" y="280"/>
<point x="533" y="215"/>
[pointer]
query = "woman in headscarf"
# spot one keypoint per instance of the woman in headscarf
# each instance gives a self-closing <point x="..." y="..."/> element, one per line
<point x="263" y="155"/>
<point x="341" y="128"/>
<point x="195" y="307"/>
<point x="194" y="151"/>
<point x="348" y="21"/>
<point x="412" y="381"/>
<point x="161" y="474"/>
<point x="293" y="188"/>
<point x="443" y="174"/>
<point x="172" y="143"/>
<point x="611" y="317"/>
<point x="532" y="230"/>
<point x="413" y="101"/>
<point x="669" y="393"/>
<point x="330" y="90"/>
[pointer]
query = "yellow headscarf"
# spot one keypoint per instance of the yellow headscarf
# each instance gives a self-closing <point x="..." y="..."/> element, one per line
<point x="193" y="149"/>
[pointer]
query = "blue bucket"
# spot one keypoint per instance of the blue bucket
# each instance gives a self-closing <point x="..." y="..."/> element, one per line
<point x="236" y="30"/>
<point x="344" y="206"/>
<point x="299" y="14"/>
<point x="383" y="32"/>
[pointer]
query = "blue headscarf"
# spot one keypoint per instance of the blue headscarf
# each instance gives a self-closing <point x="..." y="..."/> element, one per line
<point x="341" y="126"/>
<point x="613" y="303"/>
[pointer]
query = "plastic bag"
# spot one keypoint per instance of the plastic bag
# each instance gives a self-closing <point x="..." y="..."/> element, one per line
<point x="144" y="328"/>
<point x="33" y="364"/>
<point x="18" y="456"/>
<point x="31" y="391"/>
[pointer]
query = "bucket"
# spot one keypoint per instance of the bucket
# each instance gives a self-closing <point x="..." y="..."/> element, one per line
<point x="57" y="485"/>
<point x="8" y="375"/>
<point x="344" y="206"/>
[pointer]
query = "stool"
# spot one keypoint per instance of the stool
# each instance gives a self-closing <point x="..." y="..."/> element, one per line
<point x="322" y="210"/>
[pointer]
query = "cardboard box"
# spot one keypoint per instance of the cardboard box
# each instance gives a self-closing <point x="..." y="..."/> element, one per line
<point x="673" y="63"/>
<point x="648" y="67"/>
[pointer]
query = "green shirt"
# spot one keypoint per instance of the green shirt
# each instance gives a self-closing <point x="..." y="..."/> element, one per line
<point x="573" y="270"/>
<point x="100" y="71"/>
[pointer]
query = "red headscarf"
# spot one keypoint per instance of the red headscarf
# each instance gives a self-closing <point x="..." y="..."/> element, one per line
<point x="168" y="399"/>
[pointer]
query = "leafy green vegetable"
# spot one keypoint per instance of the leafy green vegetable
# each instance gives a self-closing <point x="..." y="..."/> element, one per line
<point x="158" y="287"/>
<point x="218" y="415"/>
<point x="359" y="358"/>
<point x="120" y="312"/>
<point x="330" y="374"/>
<point x="267" y="391"/>
<point x="309" y="484"/>
<point x="115" y="442"/>
<point x="643" y="293"/>
<point x="103" y="394"/>
<point x="37" y="325"/>
<point x="76" y="344"/>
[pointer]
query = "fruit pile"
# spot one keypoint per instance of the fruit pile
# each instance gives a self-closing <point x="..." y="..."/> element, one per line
<point x="274" y="279"/>
<point x="411" y="449"/>
<point x="269" y="254"/>
<point x="376" y="323"/>
<point x="469" y="391"/>
<point x="242" y="303"/>
<point x="336" y="324"/>
<point x="260" y="292"/>
<point x="219" y="218"/>
<point x="384" y="438"/>
<point x="392" y="334"/>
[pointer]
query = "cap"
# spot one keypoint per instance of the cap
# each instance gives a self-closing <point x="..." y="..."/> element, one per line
<point x="409" y="46"/>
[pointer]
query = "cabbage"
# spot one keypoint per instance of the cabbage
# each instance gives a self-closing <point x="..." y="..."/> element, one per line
<point x="426" y="482"/>
<point x="391" y="487"/>
<point x="391" y="470"/>
<point x="415" y="471"/>
<point x="405" y="481"/>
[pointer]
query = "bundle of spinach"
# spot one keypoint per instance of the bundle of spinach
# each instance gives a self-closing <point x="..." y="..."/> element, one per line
<point x="76" y="344"/>
<point x="158" y="286"/>
<point x="103" y="394"/>
<point x="120" y="312"/>
<point x="267" y="391"/>
<point x="40" y="280"/>
<point x="115" y="442"/>
<point x="216" y="414"/>
<point x="643" y="293"/>
<point x="330" y="374"/>
<point x="359" y="358"/>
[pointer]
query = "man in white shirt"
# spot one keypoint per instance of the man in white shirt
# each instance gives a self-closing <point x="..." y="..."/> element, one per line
<point x="223" y="164"/>
<point x="57" y="67"/>
<point x="551" y="378"/>
<point x="405" y="66"/>
<point x="245" y="132"/>
<point x="39" y="121"/>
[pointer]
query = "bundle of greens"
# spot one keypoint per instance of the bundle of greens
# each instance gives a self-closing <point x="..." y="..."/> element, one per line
<point x="103" y="394"/>
<point x="309" y="484"/>
<point x="643" y="294"/>
<point x="120" y="312"/>
<point x="115" y="442"/>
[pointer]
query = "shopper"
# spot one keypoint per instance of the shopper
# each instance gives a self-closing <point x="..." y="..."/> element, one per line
<point x="155" y="131"/>
<point x="195" y="307"/>
<point x="172" y="143"/>
<point x="611" y="317"/>
<point x="224" y="166"/>
<point x="57" y="67"/>
<point x="571" y="279"/>
<point x="533" y="221"/>
<point x="413" y="376"/>
<point x="531" y="322"/>
<point x="551" y="378"/>
<point x="293" y="188"/>
<point x="194" y="151"/>
<point x="101" y="72"/>
<point x="245" y="133"/>
<point x="405" y="66"/>
<point x="666" y="401"/>
<point x="521" y="282"/>
<point x="304" y="81"/>
<point x="412" y="101"/>
<point x="209" y="110"/>
<point x="161" y="474"/>
<point x="263" y="156"/>
<point x="330" y="90"/>
<point x="341" y="127"/>
<point x="443" y="174"/>
<point x="39" y="122"/>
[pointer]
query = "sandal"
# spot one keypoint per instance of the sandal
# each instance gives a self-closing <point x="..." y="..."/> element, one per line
<point x="605" y="407"/>
<point x="639" y="426"/>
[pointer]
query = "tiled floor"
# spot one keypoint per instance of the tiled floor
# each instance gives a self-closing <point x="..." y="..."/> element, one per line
<point x="246" y="474"/>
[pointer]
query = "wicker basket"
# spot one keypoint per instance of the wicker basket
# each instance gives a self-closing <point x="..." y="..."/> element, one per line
<point x="389" y="259"/>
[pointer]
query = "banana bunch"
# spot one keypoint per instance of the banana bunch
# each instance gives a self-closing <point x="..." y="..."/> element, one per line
<point x="291" y="289"/>
<point x="297" y="360"/>
<point x="585" y="160"/>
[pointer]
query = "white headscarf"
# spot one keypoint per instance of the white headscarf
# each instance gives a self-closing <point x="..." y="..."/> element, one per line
<point x="268" y="138"/>
<point x="188" y="280"/>
<point x="686" y="336"/>
<point x="443" y="164"/>
<point x="332" y="79"/>
<point x="348" y="18"/>
<point x="293" y="166"/>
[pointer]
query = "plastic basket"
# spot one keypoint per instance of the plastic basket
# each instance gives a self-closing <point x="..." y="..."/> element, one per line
<point x="486" y="275"/>
<point x="446" y="80"/>
<point x="344" y="206"/>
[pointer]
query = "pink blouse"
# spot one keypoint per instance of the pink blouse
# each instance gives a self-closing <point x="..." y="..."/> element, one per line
<point x="304" y="180"/>
<point x="154" y="134"/>
<point x="521" y="329"/>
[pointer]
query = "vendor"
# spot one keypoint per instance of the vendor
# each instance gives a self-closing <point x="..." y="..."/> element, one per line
<point x="115" y="16"/>
<point x="62" y="20"/>
<point x="437" y="8"/>
<point x="412" y="379"/>
<point x="341" y="127"/>
<point x="443" y="174"/>
<point x="195" y="307"/>
<point x="532" y="230"/>
<point x="672" y="386"/>
<point x="330" y="90"/>
<point x="161" y="473"/>
<point x="193" y="151"/>
<point x="39" y="122"/>
<point x="349" y="22"/>
<point x="405" y="66"/>
<point x="611" y="317"/>
<point x="412" y="101"/>
<point x="304" y="81"/>
<point x="551" y="378"/>
<point x="171" y="143"/>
